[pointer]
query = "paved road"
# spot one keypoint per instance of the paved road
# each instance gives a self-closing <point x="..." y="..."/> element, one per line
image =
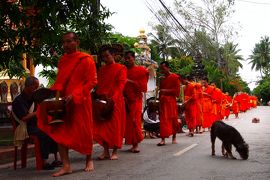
<point x="189" y="159"/>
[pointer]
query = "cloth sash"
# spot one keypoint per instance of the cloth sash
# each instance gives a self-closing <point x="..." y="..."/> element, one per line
<point x="21" y="133"/>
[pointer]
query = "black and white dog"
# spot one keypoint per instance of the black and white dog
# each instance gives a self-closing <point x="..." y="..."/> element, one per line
<point x="229" y="136"/>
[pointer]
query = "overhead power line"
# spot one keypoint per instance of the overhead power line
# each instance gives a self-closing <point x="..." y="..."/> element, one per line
<point x="177" y="28"/>
<point x="167" y="9"/>
<point x="253" y="2"/>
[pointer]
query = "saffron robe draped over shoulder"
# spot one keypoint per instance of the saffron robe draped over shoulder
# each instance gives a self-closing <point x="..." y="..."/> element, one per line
<point x="168" y="107"/>
<point x="77" y="130"/>
<point x="235" y="104"/>
<point x="133" y="93"/>
<point x="228" y="101"/>
<point x="244" y="99"/>
<point x="111" y="82"/>
<point x="198" y="101"/>
<point x="190" y="105"/>
<point x="217" y="99"/>
<point x="207" y="106"/>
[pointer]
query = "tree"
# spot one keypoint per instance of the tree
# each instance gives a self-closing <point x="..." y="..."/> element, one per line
<point x="262" y="91"/>
<point x="35" y="27"/>
<point x="181" y="65"/>
<point x="126" y="41"/>
<point x="231" y="58"/>
<point x="260" y="58"/>
<point x="208" y="17"/>
<point x="154" y="53"/>
<point x="163" y="41"/>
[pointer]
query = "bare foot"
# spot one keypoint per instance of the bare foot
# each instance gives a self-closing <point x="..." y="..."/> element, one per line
<point x="114" y="157"/>
<point x="201" y="131"/>
<point x="62" y="171"/>
<point x="89" y="166"/>
<point x="174" y="141"/>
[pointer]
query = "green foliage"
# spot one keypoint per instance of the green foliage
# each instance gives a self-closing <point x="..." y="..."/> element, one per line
<point x="163" y="41"/>
<point x="262" y="91"/>
<point x="236" y="85"/>
<point x="214" y="74"/>
<point x="204" y="43"/>
<point x="260" y="58"/>
<point x="50" y="74"/>
<point x="35" y="28"/>
<point x="154" y="53"/>
<point x="126" y="41"/>
<point x="231" y="58"/>
<point x="230" y="86"/>
<point x="228" y="83"/>
<point x="182" y="65"/>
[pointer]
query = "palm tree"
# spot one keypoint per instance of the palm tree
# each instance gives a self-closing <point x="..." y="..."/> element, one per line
<point x="231" y="58"/>
<point x="260" y="57"/>
<point x="163" y="41"/>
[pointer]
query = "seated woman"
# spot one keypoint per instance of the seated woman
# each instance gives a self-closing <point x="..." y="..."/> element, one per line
<point x="23" y="109"/>
<point x="151" y="118"/>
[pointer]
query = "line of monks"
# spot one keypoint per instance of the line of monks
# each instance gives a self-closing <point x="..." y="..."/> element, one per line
<point x="125" y="85"/>
<point x="205" y="104"/>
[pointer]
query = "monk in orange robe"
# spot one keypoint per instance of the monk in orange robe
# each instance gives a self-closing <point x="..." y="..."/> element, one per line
<point x="112" y="78"/>
<point x="190" y="106"/>
<point x="222" y="106"/>
<point x="137" y="78"/>
<point x="236" y="105"/>
<point x="245" y="102"/>
<point x="216" y="100"/>
<point x="207" y="104"/>
<point x="253" y="101"/>
<point x="169" y="90"/>
<point x="198" y="100"/>
<point x="227" y="103"/>
<point x="75" y="79"/>
<point x="243" y="99"/>
<point x="251" y="104"/>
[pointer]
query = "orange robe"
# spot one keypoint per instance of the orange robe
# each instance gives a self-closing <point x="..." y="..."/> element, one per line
<point x="244" y="102"/>
<point x="253" y="101"/>
<point x="236" y="104"/>
<point x="111" y="82"/>
<point x="133" y="93"/>
<point x="207" y="106"/>
<point x="228" y="101"/>
<point x="168" y="107"/>
<point x="198" y="101"/>
<point x="217" y="99"/>
<point x="190" y="105"/>
<point x="222" y="106"/>
<point x="76" y="132"/>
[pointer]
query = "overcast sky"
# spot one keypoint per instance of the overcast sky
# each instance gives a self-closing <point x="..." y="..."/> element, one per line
<point x="253" y="15"/>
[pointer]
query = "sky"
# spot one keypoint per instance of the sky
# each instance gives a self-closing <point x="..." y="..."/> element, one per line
<point x="253" y="16"/>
